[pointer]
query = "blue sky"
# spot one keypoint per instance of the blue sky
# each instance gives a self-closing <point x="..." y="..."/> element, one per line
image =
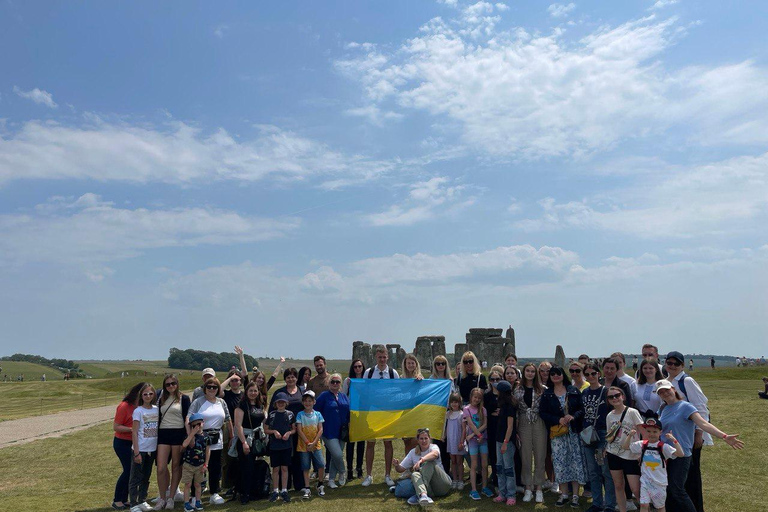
<point x="292" y="177"/>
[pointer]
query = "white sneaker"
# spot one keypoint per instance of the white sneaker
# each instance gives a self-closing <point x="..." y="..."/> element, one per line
<point x="332" y="484"/>
<point x="179" y="496"/>
<point x="169" y="504"/>
<point x="306" y="493"/>
<point x="389" y="480"/>
<point x="342" y="479"/>
<point x="145" y="507"/>
<point x="631" y="505"/>
<point x="528" y="496"/>
<point x="216" y="499"/>
<point x="159" y="504"/>
<point x="136" y="508"/>
<point x="555" y="488"/>
<point x="539" y="497"/>
<point x="326" y="477"/>
<point x="368" y="481"/>
<point x="425" y="501"/>
<point x="155" y="499"/>
<point x="460" y="485"/>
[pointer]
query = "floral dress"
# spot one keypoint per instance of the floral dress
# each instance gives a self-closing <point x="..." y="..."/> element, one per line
<point x="567" y="457"/>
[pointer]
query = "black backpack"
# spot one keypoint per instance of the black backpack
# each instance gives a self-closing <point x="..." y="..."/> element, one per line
<point x="658" y="448"/>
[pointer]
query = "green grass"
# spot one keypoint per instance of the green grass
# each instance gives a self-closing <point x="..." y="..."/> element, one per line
<point x="78" y="471"/>
<point x="31" y="371"/>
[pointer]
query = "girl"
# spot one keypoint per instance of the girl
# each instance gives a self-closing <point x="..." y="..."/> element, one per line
<point x="532" y="432"/>
<point x="505" y="450"/>
<point x="123" y="426"/>
<point x="621" y="421"/>
<point x="593" y="402"/>
<point x="411" y="370"/>
<point x="441" y="370"/>
<point x="550" y="483"/>
<point x="491" y="403"/>
<point x="646" y="399"/>
<point x="171" y="433"/>
<point x="249" y="415"/>
<point x="454" y="440"/>
<point x="305" y="375"/>
<point x="144" y="437"/>
<point x="356" y="370"/>
<point x="476" y="421"/>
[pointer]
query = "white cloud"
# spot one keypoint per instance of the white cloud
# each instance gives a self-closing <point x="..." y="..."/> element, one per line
<point x="561" y="10"/>
<point x="660" y="4"/>
<point x="426" y="200"/>
<point x="374" y="114"/>
<point x="543" y="95"/>
<point x="179" y="154"/>
<point x="88" y="231"/>
<point x="220" y="30"/>
<point x="37" y="95"/>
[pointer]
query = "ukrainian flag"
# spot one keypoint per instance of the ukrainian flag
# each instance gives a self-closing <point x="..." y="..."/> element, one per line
<point x="396" y="408"/>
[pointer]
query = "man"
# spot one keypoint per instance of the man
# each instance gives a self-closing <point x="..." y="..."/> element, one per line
<point x="632" y="383"/>
<point x="611" y="378"/>
<point x="712" y="362"/>
<point x="319" y="382"/>
<point x="199" y="391"/>
<point x="691" y="391"/>
<point x="380" y="371"/>
<point x="652" y="352"/>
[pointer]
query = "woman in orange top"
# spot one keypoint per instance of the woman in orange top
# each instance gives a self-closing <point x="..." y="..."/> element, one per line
<point x="123" y="426"/>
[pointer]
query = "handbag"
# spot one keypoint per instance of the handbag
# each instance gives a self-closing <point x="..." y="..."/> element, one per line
<point x="344" y="434"/>
<point x="560" y="430"/>
<point x="613" y="432"/>
<point x="212" y="436"/>
<point x="260" y="442"/>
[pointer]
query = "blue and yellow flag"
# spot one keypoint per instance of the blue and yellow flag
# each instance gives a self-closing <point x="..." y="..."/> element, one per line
<point x="388" y="409"/>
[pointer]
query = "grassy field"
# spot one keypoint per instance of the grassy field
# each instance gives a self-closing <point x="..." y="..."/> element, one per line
<point x="77" y="472"/>
<point x="31" y="371"/>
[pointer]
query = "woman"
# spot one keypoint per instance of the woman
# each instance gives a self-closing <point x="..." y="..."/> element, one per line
<point x="595" y="411"/>
<point x="123" y="427"/>
<point x="427" y="473"/>
<point x="305" y="375"/>
<point x="411" y="369"/>
<point x="491" y="403"/>
<point x="261" y="382"/>
<point x="249" y="415"/>
<point x="215" y="416"/>
<point x="293" y="395"/>
<point x="273" y="377"/>
<point x="681" y="418"/>
<point x="576" y="370"/>
<point x="512" y="375"/>
<point x="561" y="410"/>
<point x="532" y="432"/>
<point x="470" y="377"/>
<point x="334" y="406"/>
<point x="441" y="370"/>
<point x="510" y="360"/>
<point x="621" y="421"/>
<point x="232" y="393"/>
<point x="646" y="399"/>
<point x="356" y="370"/>
<point x="171" y="432"/>
<point x="549" y="483"/>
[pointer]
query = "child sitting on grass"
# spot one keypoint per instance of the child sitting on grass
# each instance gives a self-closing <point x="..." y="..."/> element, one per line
<point x="196" y="455"/>
<point x="653" y="468"/>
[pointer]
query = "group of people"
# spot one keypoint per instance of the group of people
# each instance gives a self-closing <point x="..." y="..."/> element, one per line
<point x="586" y="426"/>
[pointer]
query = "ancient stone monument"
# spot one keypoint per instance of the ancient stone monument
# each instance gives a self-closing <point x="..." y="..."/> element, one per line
<point x="427" y="348"/>
<point x="362" y="351"/>
<point x="560" y="356"/>
<point x="487" y="344"/>
<point x="396" y="355"/>
<point x="511" y="340"/>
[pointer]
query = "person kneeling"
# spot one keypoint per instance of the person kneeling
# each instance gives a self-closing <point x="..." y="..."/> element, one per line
<point x="427" y="473"/>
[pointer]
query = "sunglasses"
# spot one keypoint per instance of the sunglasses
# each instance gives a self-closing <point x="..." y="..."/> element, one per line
<point x="422" y="431"/>
<point x="590" y="374"/>
<point x="468" y="361"/>
<point x="555" y="373"/>
<point x="211" y="387"/>
<point x="148" y="394"/>
<point x="439" y="363"/>
<point x="358" y="366"/>
<point x="494" y="379"/>
<point x="674" y="363"/>
<point x="169" y="384"/>
<point x="234" y="380"/>
<point x="575" y="370"/>
<point x="335" y="382"/>
<point x="614" y="396"/>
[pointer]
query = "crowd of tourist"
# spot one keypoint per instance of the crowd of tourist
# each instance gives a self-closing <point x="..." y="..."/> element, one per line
<point x="588" y="432"/>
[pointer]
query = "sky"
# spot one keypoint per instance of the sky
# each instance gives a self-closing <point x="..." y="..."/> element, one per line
<point x="294" y="176"/>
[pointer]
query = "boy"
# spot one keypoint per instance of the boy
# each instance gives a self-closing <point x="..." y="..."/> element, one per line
<point x="310" y="430"/>
<point x="280" y="424"/>
<point x="195" y="457"/>
<point x="380" y="371"/>
<point x="653" y="468"/>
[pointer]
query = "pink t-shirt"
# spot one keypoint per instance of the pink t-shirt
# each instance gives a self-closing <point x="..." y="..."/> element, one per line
<point x="470" y="413"/>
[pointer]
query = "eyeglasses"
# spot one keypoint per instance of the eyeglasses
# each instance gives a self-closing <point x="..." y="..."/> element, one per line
<point x="468" y="361"/>
<point x="674" y="363"/>
<point x="151" y="393"/>
<point x="358" y="366"/>
<point x="335" y="382"/>
<point x="590" y="374"/>
<point x="614" y="396"/>
<point x="575" y="370"/>
<point x="169" y="384"/>
<point x="439" y="363"/>
<point x="211" y="387"/>
<point x="494" y="379"/>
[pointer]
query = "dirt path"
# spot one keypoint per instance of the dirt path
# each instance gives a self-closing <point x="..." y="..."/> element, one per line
<point x="25" y="430"/>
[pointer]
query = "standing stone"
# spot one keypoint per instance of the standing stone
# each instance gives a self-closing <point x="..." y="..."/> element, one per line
<point x="392" y="350"/>
<point x="362" y="351"/>
<point x="423" y="351"/>
<point x="458" y="351"/>
<point x="438" y="347"/>
<point x="401" y="353"/>
<point x="560" y="356"/>
<point x="510" y="346"/>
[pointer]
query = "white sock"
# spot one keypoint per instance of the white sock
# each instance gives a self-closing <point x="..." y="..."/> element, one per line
<point x="285" y="490"/>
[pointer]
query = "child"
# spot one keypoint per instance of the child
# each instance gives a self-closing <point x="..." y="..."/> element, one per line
<point x="476" y="420"/>
<point x="144" y="434"/>
<point x="653" y="455"/>
<point x="195" y="457"/>
<point x="280" y="424"/>
<point x="454" y="437"/>
<point x="505" y="450"/>
<point x="310" y="430"/>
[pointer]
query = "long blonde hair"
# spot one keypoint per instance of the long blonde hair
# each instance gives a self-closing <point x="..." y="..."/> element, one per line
<point x="447" y="368"/>
<point x="416" y="373"/>
<point x="477" y="369"/>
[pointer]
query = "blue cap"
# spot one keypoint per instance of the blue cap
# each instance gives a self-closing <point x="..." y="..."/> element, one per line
<point x="196" y="417"/>
<point x="281" y="396"/>
<point x="504" y="386"/>
<point x="676" y="355"/>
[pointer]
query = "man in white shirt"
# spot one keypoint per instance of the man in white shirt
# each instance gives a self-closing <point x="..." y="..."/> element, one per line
<point x="632" y="383"/>
<point x="380" y="371"/>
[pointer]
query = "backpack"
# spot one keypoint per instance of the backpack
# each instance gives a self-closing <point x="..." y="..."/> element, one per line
<point x="681" y="383"/>
<point x="658" y="448"/>
<point x="391" y="373"/>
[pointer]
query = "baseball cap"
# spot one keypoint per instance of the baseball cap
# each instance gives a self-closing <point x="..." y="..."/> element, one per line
<point x="662" y="384"/>
<point x="209" y="371"/>
<point x="653" y="422"/>
<point x="504" y="386"/>
<point x="676" y="355"/>
<point x="281" y="397"/>
<point x="195" y="418"/>
<point x="308" y="392"/>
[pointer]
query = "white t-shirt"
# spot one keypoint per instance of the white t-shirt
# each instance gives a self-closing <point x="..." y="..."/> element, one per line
<point x="632" y="383"/>
<point x="214" y="416"/>
<point x="380" y="374"/>
<point x="651" y="468"/>
<point x="414" y="456"/>
<point x="631" y="420"/>
<point x="147" y="434"/>
<point x="646" y="399"/>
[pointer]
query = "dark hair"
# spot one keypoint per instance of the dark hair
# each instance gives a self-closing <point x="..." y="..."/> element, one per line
<point x="299" y="376"/>
<point x="291" y="371"/>
<point x="318" y="358"/>
<point x="250" y="385"/>
<point x="619" y="355"/>
<point x="506" y="398"/>
<point x="641" y="379"/>
<point x="566" y="379"/>
<point x="510" y="355"/>
<point x="212" y="381"/>
<point x="654" y="347"/>
<point x="133" y="395"/>
<point x="610" y="360"/>
<point x="352" y="368"/>
<point x="595" y="367"/>
<point x="584" y="356"/>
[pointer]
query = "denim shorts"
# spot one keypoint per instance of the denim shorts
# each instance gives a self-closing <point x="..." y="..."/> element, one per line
<point x="314" y="458"/>
<point x="474" y="447"/>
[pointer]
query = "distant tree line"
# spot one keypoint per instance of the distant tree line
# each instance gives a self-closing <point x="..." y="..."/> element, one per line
<point x="63" y="365"/>
<point x="190" y="359"/>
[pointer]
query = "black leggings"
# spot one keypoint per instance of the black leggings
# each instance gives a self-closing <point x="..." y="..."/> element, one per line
<point x="124" y="452"/>
<point x="360" y="445"/>
<point x="214" y="471"/>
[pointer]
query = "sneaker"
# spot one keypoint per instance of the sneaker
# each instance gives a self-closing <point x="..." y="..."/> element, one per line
<point x="179" y="496"/>
<point x="454" y="484"/>
<point x="169" y="504"/>
<point x="368" y="481"/>
<point x="342" y="479"/>
<point x="555" y="488"/>
<point x="562" y="500"/>
<point x="306" y="493"/>
<point x="332" y="484"/>
<point x="413" y="500"/>
<point x="321" y="490"/>
<point x="539" y="497"/>
<point x="546" y="485"/>
<point x="389" y="480"/>
<point x="216" y="499"/>
<point x="145" y="507"/>
<point x="286" y="497"/>
<point x="631" y="506"/>
<point x="159" y="504"/>
<point x="511" y="501"/>
<point x="273" y="497"/>
<point x="426" y="502"/>
<point x="188" y="507"/>
<point x="487" y="491"/>
<point x="460" y="485"/>
<point x="528" y="496"/>
<point x="474" y="495"/>
<point x="575" y="501"/>
<point x="229" y="494"/>
<point x="199" y="505"/>
<point x="499" y="499"/>
<point x="135" y="508"/>
<point x="327" y="477"/>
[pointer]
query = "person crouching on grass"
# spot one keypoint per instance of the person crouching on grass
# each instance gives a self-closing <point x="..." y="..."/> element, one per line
<point x="309" y="427"/>
<point x="653" y="467"/>
<point x="427" y="473"/>
<point x="280" y="424"/>
<point x="195" y="457"/>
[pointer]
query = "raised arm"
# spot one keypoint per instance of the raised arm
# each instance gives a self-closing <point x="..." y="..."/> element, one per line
<point x="730" y="439"/>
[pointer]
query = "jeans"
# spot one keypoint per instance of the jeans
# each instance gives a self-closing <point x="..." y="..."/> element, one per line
<point x="335" y="447"/>
<point x="600" y="479"/>
<point x="677" y="473"/>
<point x="124" y="452"/>
<point x="505" y="470"/>
<point x="360" y="446"/>
<point x="139" y="481"/>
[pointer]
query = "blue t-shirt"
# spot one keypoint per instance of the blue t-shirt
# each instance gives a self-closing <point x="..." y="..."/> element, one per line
<point x="335" y="411"/>
<point x="282" y="422"/>
<point x="195" y="452"/>
<point x="675" y="419"/>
